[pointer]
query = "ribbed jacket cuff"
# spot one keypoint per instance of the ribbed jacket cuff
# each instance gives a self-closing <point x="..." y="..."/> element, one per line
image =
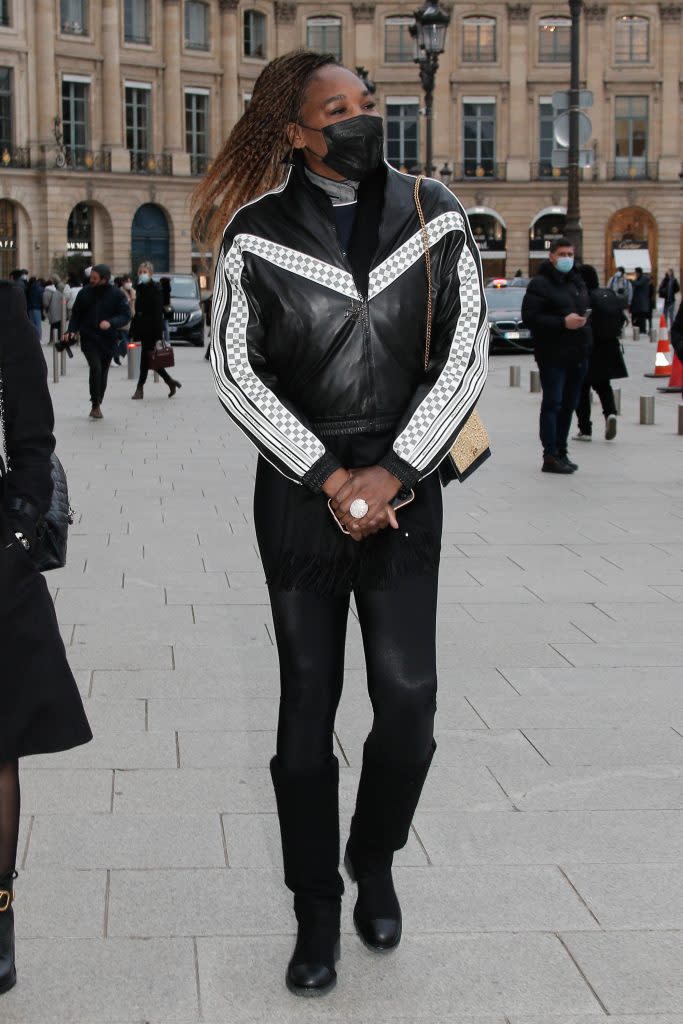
<point x="318" y="473"/>
<point x="399" y="468"/>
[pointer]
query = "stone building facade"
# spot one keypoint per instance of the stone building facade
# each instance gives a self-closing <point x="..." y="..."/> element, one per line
<point x="111" y="109"/>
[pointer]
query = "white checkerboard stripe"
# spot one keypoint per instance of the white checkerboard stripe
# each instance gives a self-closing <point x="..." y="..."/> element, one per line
<point x="459" y="384"/>
<point x="412" y="251"/>
<point x="300" y="263"/>
<point x="245" y="397"/>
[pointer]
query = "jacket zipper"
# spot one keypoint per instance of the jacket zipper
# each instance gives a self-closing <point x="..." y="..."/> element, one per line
<point x="364" y="316"/>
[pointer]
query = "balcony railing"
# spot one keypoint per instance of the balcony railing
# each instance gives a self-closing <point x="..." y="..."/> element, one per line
<point x="629" y="170"/>
<point x="80" y="160"/>
<point x="15" y="156"/>
<point x="199" y="164"/>
<point x="151" y="163"/>
<point x="476" y="172"/>
<point x="544" y="170"/>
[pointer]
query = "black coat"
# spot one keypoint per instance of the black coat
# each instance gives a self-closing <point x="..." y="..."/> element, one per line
<point x="148" y="322"/>
<point x="550" y="297"/>
<point x="642" y="296"/>
<point x="94" y="304"/>
<point x="41" y="707"/>
<point x="677" y="333"/>
<point x="607" y="319"/>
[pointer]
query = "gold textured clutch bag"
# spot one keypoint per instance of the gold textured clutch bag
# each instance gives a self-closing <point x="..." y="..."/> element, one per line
<point x="472" y="447"/>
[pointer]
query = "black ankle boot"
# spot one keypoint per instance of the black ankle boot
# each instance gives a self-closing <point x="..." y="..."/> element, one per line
<point x="8" y="971"/>
<point x="308" y="811"/>
<point x="377" y="914"/>
<point x="311" y="971"/>
<point x="385" y="806"/>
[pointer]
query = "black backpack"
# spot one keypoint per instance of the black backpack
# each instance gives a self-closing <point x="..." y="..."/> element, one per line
<point x="607" y="317"/>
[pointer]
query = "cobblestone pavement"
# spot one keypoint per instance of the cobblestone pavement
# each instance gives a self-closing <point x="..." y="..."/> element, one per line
<point x="542" y="882"/>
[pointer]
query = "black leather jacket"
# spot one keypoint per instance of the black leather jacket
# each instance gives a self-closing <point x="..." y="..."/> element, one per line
<point x="300" y="355"/>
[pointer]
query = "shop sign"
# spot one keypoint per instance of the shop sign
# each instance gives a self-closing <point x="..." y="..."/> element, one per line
<point x="7" y="243"/>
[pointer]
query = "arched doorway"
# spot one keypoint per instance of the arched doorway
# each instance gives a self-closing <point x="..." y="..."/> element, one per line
<point x="546" y="225"/>
<point x="490" y="234"/>
<point x="150" y="238"/>
<point x="8" y="237"/>
<point x="632" y="241"/>
<point x="79" y="238"/>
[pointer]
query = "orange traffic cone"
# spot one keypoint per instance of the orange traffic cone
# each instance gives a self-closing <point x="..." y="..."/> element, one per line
<point x="662" y="363"/>
<point x="676" y="382"/>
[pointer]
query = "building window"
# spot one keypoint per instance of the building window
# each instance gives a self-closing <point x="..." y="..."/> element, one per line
<point x="196" y="25"/>
<point x="630" y="136"/>
<point x="6" y="129"/>
<point x="479" y="138"/>
<point x="546" y="138"/>
<point x="138" y="124"/>
<point x="554" y="40"/>
<point x="73" y="17"/>
<point x="399" y="46"/>
<point x="402" y="131"/>
<point x="478" y="40"/>
<point x="4" y="13"/>
<point x="136" y="21"/>
<point x="632" y="43"/>
<point x="197" y="130"/>
<point x="75" y="96"/>
<point x="255" y="34"/>
<point x="324" y="35"/>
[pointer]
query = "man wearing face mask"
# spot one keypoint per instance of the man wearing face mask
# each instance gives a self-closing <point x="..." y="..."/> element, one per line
<point x="99" y="311"/>
<point x="555" y="310"/>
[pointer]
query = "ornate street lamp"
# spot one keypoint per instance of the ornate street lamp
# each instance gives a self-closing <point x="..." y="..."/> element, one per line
<point x="429" y="33"/>
<point x="573" y="229"/>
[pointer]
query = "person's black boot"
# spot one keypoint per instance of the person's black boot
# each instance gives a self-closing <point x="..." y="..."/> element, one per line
<point x="554" y="464"/>
<point x="308" y="811"/>
<point x="8" y="971"/>
<point x="564" y="457"/>
<point x="385" y="807"/>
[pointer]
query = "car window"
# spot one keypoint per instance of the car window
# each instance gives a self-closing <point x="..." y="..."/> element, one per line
<point x="504" y="298"/>
<point x="184" y="288"/>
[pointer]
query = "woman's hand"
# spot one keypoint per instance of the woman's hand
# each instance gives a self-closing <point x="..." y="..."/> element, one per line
<point x="375" y="485"/>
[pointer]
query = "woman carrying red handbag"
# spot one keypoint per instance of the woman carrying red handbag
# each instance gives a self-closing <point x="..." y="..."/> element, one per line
<point x="148" y="327"/>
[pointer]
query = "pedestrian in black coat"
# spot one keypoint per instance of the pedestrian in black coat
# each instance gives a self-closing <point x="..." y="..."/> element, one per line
<point x="606" y="359"/>
<point x="554" y="309"/>
<point x="668" y="290"/>
<point x="148" y="326"/>
<point x="41" y="710"/>
<point x="642" y="301"/>
<point x="100" y="310"/>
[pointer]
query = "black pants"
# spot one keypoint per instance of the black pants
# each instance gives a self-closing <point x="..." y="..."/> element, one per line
<point x="604" y="392"/>
<point x="99" y="364"/>
<point x="561" y="389"/>
<point x="640" y="320"/>
<point x="144" y="370"/>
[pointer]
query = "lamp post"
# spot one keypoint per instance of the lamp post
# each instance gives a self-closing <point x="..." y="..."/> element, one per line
<point x="573" y="228"/>
<point x="429" y="33"/>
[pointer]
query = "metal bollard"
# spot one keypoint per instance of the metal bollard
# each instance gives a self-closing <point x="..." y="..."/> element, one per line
<point x="156" y="377"/>
<point x="647" y="410"/>
<point x="62" y="362"/>
<point x="680" y="419"/>
<point x="55" y="364"/>
<point x="134" y="357"/>
<point x="636" y="333"/>
<point x="534" y="381"/>
<point x="515" y="376"/>
<point x="617" y="400"/>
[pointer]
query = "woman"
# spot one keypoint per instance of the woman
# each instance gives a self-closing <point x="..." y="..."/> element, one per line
<point x="53" y="307"/>
<point x="147" y="326"/>
<point x="606" y="361"/>
<point x="318" y="351"/>
<point x="71" y="289"/>
<point x="41" y="707"/>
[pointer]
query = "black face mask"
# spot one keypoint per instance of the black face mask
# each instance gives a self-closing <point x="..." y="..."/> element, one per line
<point x="355" y="147"/>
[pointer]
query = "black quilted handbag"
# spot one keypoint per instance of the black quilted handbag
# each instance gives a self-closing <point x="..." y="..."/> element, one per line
<point x="49" y="550"/>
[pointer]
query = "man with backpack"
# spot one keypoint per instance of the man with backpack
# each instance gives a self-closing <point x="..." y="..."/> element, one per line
<point x="622" y="287"/>
<point x="606" y="361"/>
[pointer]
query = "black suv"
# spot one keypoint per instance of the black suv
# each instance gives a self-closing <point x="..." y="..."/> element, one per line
<point x="187" y="318"/>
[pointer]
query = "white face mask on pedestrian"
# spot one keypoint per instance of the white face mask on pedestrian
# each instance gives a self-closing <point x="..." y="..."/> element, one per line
<point x="145" y="278"/>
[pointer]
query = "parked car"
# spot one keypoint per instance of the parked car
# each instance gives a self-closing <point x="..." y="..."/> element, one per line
<point x="187" y="318"/>
<point x="508" y="333"/>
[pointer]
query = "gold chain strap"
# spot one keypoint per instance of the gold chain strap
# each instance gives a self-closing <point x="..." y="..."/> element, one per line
<point x="428" y="268"/>
<point x="6" y="900"/>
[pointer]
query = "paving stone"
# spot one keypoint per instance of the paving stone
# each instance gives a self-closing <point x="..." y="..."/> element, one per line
<point x="114" y="750"/>
<point x="76" y="898"/>
<point x="426" y="979"/>
<point x="151" y="981"/>
<point x="561" y="713"/>
<point x="606" y="837"/>
<point x="126" y="841"/>
<point x="593" y="788"/>
<point x="643" y="897"/>
<point x="65" y="791"/>
<point x="220" y="749"/>
<point x="609" y="746"/>
<point x="209" y="715"/>
<point x="632" y="972"/>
